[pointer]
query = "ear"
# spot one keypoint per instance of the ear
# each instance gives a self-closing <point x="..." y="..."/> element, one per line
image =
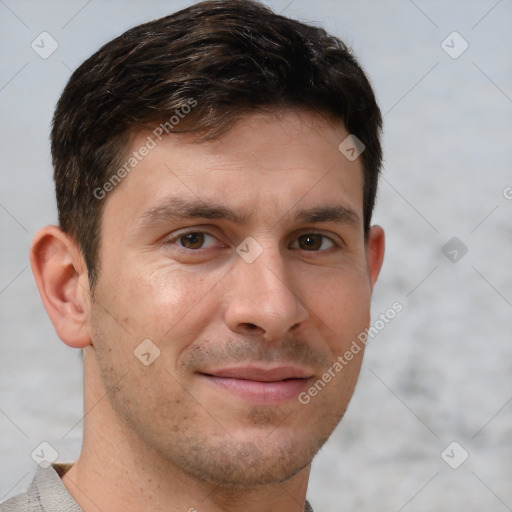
<point x="61" y="276"/>
<point x="375" y="252"/>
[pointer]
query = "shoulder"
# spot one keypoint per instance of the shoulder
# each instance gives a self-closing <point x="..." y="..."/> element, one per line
<point x="20" y="503"/>
<point x="46" y="493"/>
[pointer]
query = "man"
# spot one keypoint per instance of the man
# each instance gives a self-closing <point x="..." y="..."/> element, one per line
<point x="215" y="172"/>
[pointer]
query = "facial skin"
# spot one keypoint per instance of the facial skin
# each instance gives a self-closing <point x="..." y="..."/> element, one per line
<point x="199" y="421"/>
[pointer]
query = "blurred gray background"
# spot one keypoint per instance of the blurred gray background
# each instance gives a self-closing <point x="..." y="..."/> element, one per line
<point x="441" y="371"/>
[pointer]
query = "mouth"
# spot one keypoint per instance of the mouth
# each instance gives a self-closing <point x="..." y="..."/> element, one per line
<point x="260" y="385"/>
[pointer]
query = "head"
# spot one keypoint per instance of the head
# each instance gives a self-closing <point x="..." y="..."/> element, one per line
<point x="205" y="207"/>
<point x="198" y="71"/>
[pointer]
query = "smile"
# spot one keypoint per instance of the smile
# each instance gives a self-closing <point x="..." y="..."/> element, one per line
<point x="259" y="385"/>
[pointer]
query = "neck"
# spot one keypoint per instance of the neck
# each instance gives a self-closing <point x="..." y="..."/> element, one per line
<point x="118" y="472"/>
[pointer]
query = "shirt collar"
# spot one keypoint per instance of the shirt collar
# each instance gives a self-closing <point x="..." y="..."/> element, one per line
<point x="48" y="487"/>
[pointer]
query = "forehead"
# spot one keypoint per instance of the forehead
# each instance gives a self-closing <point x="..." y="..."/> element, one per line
<point x="267" y="165"/>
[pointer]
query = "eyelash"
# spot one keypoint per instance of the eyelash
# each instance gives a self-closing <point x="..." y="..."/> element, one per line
<point x="178" y="236"/>
<point x="194" y="232"/>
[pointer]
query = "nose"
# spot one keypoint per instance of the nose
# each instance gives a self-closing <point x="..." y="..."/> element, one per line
<point x="262" y="299"/>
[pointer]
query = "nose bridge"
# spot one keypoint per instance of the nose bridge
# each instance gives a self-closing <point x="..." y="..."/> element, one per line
<point x="269" y="275"/>
<point x="263" y="296"/>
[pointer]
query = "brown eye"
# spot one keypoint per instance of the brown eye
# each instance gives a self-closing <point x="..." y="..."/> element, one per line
<point x="313" y="242"/>
<point x="192" y="240"/>
<point x="310" y="242"/>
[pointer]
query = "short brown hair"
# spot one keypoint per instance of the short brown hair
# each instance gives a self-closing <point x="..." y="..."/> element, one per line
<point x="229" y="57"/>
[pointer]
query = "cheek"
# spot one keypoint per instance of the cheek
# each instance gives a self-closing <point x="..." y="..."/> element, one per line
<point x="168" y="306"/>
<point x="163" y="307"/>
<point x="341" y="301"/>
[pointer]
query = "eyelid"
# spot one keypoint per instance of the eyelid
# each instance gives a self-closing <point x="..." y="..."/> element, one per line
<point x="176" y="235"/>
<point x="209" y="230"/>
<point x="333" y="237"/>
<point x="327" y="234"/>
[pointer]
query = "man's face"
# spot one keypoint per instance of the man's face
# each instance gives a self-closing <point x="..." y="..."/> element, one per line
<point x="244" y="261"/>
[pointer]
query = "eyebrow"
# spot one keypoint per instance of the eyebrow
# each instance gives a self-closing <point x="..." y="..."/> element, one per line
<point x="178" y="209"/>
<point x="335" y="213"/>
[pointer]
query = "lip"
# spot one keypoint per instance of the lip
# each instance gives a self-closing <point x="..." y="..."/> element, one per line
<point x="260" y="385"/>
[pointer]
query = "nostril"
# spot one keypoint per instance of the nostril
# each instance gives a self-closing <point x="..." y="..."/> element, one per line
<point x="253" y="329"/>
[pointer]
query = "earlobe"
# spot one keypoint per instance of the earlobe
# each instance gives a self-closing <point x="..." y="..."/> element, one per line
<point x="375" y="252"/>
<point x="61" y="277"/>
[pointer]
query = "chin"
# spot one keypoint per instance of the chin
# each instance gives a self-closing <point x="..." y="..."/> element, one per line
<point x="247" y="464"/>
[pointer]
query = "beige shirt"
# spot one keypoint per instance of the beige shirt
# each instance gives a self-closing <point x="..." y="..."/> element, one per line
<point x="47" y="493"/>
